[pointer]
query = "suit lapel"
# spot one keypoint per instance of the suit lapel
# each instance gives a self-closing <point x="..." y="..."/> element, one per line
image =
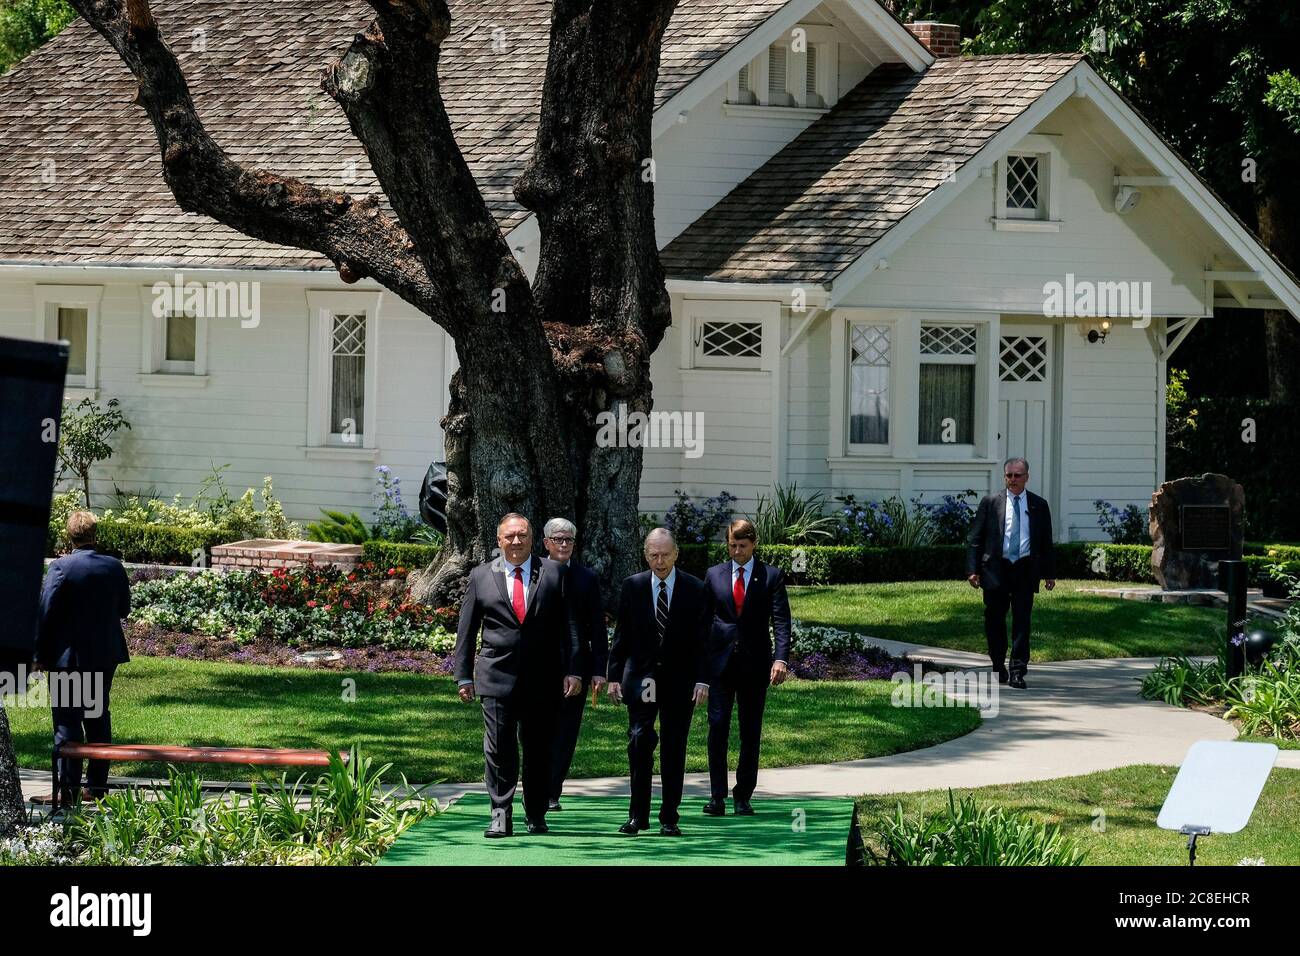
<point x="1002" y="522"/>
<point x="495" y="571"/>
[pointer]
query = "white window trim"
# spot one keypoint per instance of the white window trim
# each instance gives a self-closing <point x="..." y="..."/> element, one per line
<point x="1047" y="218"/>
<point x="828" y="71"/>
<point x="48" y="299"/>
<point x="695" y="312"/>
<point x="986" y="369"/>
<point x="321" y="308"/>
<point x="154" y="367"/>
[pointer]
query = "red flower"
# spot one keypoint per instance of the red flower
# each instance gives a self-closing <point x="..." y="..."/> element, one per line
<point x="311" y="603"/>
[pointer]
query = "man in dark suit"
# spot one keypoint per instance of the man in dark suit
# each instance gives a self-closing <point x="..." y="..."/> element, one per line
<point x="748" y="597"/>
<point x="559" y="537"/>
<point x="1008" y="552"/>
<point x="530" y="661"/>
<point x="79" y="645"/>
<point x="658" y="665"/>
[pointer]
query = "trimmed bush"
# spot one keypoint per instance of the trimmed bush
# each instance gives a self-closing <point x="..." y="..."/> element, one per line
<point x="158" y="544"/>
<point x="394" y="554"/>
<point x="1110" y="562"/>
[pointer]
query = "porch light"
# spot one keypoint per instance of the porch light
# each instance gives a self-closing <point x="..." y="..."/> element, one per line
<point x="1095" y="331"/>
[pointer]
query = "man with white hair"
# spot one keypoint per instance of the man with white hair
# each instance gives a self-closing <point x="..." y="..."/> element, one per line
<point x="560" y="538"/>
<point x="657" y="665"/>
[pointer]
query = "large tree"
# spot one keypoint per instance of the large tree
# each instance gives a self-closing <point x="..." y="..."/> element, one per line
<point x="539" y="361"/>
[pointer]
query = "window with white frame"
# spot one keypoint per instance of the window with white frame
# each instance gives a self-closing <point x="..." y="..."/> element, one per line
<point x="1027" y="185"/>
<point x="949" y="355"/>
<point x="173" y="343"/>
<point x="342" y="378"/>
<point x="799" y="70"/>
<point x="71" y="314"/>
<point x="869" y="357"/>
<point x="728" y="343"/>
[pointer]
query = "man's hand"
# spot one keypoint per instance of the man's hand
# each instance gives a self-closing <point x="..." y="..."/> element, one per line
<point x="466" y="692"/>
<point x="615" y="690"/>
<point x="701" y="693"/>
<point x="1051" y="585"/>
<point x="779" y="672"/>
<point x="572" y="686"/>
<point x="598" y="682"/>
<point x="973" y="580"/>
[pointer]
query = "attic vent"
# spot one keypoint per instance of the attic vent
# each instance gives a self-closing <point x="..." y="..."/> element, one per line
<point x="813" y="97"/>
<point x="730" y="344"/>
<point x="776" y="73"/>
<point x="947" y="340"/>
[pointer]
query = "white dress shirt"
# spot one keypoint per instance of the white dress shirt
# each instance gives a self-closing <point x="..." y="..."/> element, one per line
<point x="655" y="581"/>
<point x="1024" y="524"/>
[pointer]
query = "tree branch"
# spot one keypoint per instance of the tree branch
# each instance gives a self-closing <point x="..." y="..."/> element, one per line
<point x="353" y="233"/>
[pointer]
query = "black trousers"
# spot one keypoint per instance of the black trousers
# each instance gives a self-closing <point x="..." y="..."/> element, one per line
<point x="566" y="739"/>
<point x="509" y="723"/>
<point x="82" y="724"/>
<point x="674" y="710"/>
<point x="1016" y="594"/>
<point x="746" y="689"/>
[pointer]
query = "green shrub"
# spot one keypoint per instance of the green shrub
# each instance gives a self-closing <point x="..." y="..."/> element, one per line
<point x="1110" y="562"/>
<point x="159" y="544"/>
<point x="1181" y="681"/>
<point x="967" y="835"/>
<point x="790" y="518"/>
<point x="398" y="554"/>
<point x="1267" y="703"/>
<point x="339" y="528"/>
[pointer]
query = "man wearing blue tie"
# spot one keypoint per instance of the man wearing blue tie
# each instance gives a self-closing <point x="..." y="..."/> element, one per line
<point x="1008" y="552"/>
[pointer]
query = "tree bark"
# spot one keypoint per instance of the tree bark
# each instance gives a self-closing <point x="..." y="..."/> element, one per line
<point x="13" y="813"/>
<point x="1279" y="228"/>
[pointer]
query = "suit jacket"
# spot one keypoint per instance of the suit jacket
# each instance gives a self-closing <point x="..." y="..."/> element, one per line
<point x="533" y="656"/>
<point x="682" y="661"/>
<point x="83" y="601"/>
<point x="984" y="543"/>
<point x="766" y="602"/>
<point x="589" y="615"/>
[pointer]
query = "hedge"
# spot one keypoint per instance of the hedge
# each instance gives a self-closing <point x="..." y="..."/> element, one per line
<point x="152" y="543"/>
<point x="394" y="554"/>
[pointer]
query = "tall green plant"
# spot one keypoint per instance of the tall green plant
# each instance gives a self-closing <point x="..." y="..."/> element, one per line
<point x="790" y="518"/>
<point x="85" y="433"/>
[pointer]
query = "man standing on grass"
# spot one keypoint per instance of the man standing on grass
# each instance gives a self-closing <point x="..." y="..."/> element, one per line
<point x="559" y="537"/>
<point x="750" y="604"/>
<point x="1008" y="552"/>
<point x="529" y="663"/>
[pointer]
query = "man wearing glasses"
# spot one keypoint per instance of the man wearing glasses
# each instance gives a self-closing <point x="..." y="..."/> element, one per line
<point x="559" y="538"/>
<point x="1008" y="552"/>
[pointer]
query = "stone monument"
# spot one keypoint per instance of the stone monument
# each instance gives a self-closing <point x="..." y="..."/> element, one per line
<point x="1195" y="524"/>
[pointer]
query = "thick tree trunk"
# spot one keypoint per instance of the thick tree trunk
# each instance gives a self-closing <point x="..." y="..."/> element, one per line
<point x="1279" y="228"/>
<point x="12" y="811"/>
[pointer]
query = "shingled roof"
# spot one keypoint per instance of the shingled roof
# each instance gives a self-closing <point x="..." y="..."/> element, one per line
<point x="816" y="206"/>
<point x="80" y="177"/>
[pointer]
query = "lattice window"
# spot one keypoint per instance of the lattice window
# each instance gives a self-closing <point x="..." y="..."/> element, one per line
<point x="348" y="376"/>
<point x="955" y="340"/>
<point x="869" y="345"/>
<point x="735" y="344"/>
<point x="1023" y="358"/>
<point x="869" y="360"/>
<point x="1022" y="183"/>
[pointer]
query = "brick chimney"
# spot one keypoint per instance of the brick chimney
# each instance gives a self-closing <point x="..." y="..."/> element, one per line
<point x="942" y="39"/>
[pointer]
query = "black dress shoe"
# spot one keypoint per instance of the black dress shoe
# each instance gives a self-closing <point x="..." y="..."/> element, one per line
<point x="496" y="832"/>
<point x="670" y="829"/>
<point x="538" y="827"/>
<point x="1018" y="681"/>
<point x="632" y="828"/>
<point x="553" y="805"/>
<point x="743" y="808"/>
<point x="1003" y="677"/>
<point x="715" y="808"/>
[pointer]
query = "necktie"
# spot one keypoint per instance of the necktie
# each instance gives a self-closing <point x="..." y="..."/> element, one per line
<point x="738" y="592"/>
<point x="517" y="595"/>
<point x="1014" y="554"/>
<point x="661" y="611"/>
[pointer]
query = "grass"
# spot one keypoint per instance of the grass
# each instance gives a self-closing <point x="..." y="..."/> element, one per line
<point x="417" y="723"/>
<point x="1067" y="624"/>
<point x="1130" y="799"/>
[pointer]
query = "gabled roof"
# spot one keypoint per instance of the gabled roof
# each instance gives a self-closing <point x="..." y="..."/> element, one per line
<point x="80" y="177"/>
<point x="820" y="203"/>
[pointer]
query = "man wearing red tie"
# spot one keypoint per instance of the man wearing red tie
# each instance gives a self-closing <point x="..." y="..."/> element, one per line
<point x="748" y="596"/>
<point x="529" y="663"/>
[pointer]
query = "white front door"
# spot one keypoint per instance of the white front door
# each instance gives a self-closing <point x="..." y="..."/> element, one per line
<point x="1025" y="401"/>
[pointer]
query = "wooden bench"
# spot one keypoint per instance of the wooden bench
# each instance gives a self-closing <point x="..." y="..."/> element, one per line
<point x="250" y="756"/>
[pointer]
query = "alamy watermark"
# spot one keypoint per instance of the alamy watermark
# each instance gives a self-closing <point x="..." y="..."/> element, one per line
<point x="81" y="690"/>
<point x="624" y="429"/>
<point x="209" y="300"/>
<point x="947" y="689"/>
<point x="1084" y="299"/>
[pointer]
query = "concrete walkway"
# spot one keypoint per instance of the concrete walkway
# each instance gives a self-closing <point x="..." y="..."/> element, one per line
<point x="1076" y="717"/>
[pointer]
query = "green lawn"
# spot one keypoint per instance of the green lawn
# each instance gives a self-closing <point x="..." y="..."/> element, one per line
<point x="1067" y="625"/>
<point x="419" y="725"/>
<point x="1130" y="799"/>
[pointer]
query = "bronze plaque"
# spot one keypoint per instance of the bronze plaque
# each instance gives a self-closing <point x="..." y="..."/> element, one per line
<point x="1206" y="527"/>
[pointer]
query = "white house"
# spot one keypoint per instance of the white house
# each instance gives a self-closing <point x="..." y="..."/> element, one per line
<point x="888" y="268"/>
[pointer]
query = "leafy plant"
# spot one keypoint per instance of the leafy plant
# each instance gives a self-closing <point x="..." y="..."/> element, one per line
<point x="392" y="521"/>
<point x="1124" y="527"/>
<point x="27" y="24"/>
<point x="952" y="516"/>
<point x="698" y="523"/>
<point x="1182" y="681"/>
<point x="1267" y="703"/>
<point x="339" y="528"/>
<point x="790" y="518"/>
<point x="85" y="433"/>
<point x="886" y="523"/>
<point x="967" y="835"/>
